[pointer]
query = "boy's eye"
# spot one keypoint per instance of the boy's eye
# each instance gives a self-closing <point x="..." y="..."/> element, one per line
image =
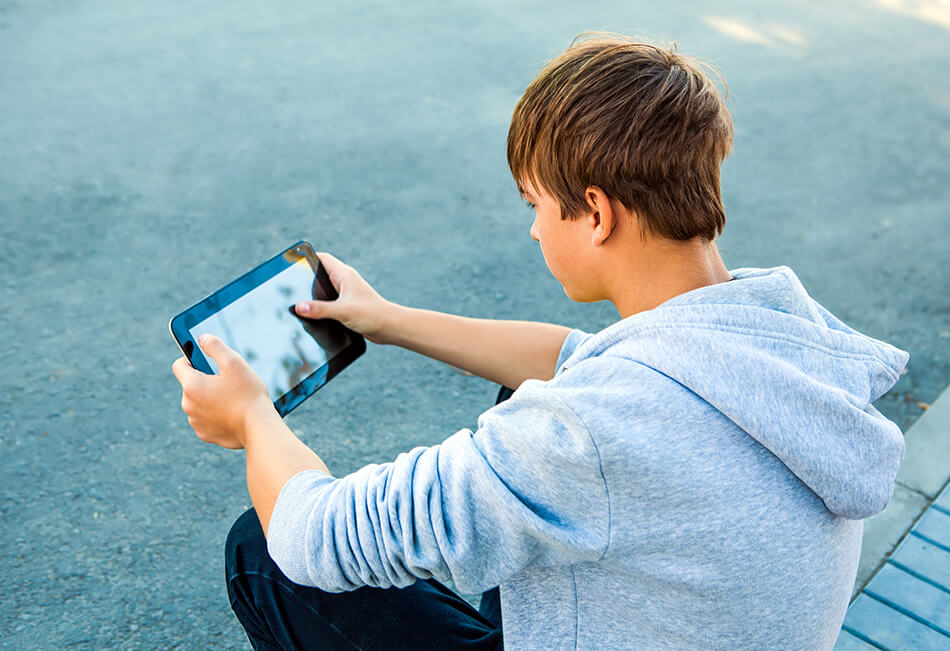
<point x="529" y="204"/>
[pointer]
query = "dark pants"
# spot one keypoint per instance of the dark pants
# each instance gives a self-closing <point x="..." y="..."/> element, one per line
<point x="279" y="614"/>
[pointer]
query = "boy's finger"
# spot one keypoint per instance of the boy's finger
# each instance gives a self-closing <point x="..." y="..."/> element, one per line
<point x="216" y="349"/>
<point x="182" y="369"/>
<point x="328" y="259"/>
<point x="333" y="266"/>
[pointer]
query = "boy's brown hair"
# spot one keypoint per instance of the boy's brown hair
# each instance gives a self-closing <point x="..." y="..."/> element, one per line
<point x="641" y="122"/>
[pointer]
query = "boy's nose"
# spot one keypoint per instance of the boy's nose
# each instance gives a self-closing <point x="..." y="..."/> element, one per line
<point x="534" y="231"/>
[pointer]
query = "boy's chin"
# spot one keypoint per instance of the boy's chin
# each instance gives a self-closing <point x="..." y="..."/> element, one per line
<point x="578" y="296"/>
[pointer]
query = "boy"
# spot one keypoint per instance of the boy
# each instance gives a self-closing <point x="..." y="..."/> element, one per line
<point x="692" y="476"/>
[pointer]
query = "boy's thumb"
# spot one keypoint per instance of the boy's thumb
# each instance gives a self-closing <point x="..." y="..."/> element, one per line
<point x="312" y="309"/>
<point x="215" y="348"/>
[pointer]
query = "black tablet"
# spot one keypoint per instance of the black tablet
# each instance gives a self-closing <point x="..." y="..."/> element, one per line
<point x="254" y="315"/>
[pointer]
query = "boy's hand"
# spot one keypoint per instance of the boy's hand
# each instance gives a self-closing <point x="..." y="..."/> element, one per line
<point x="358" y="306"/>
<point x="220" y="407"/>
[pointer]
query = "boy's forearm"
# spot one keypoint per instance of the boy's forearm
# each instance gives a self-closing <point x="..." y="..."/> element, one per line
<point x="505" y="352"/>
<point x="274" y="455"/>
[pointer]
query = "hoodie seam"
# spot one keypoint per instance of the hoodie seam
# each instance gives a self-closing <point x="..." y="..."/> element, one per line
<point x="577" y="613"/>
<point x="600" y="468"/>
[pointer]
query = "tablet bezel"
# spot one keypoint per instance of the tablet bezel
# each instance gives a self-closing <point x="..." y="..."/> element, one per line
<point x="180" y="324"/>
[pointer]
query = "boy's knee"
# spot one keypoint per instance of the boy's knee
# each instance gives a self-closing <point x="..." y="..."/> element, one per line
<point x="245" y="545"/>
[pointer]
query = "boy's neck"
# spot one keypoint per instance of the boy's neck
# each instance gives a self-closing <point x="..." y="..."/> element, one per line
<point x="663" y="269"/>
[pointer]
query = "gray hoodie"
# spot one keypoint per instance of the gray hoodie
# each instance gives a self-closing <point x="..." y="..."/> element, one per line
<point x="694" y="476"/>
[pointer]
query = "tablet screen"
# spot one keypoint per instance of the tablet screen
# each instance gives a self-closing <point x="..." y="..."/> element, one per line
<point x="260" y="325"/>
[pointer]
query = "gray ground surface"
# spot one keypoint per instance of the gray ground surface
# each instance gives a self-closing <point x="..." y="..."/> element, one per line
<point x="150" y="153"/>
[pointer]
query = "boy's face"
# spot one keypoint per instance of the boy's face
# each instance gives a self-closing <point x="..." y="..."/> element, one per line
<point x="564" y="243"/>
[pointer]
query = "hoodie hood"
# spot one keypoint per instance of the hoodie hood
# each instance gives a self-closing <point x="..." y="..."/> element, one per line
<point x="796" y="379"/>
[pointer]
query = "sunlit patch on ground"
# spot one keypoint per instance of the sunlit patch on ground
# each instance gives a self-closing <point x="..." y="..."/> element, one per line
<point x="936" y="12"/>
<point x="770" y="35"/>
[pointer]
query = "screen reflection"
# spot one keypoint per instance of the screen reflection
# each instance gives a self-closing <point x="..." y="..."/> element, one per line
<point x="283" y="348"/>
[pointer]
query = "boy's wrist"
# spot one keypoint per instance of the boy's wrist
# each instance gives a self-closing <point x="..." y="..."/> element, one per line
<point x="390" y="333"/>
<point x="260" y="422"/>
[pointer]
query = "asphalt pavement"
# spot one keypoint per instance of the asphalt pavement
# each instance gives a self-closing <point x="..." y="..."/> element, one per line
<point x="150" y="152"/>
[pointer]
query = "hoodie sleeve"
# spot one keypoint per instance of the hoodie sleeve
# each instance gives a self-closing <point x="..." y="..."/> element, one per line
<point x="525" y="489"/>
<point x="571" y="343"/>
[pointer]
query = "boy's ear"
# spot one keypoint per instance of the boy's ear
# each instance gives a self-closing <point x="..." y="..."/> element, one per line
<point x="602" y="217"/>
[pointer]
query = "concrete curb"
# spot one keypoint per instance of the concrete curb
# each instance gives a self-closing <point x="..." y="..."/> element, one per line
<point x="924" y="472"/>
